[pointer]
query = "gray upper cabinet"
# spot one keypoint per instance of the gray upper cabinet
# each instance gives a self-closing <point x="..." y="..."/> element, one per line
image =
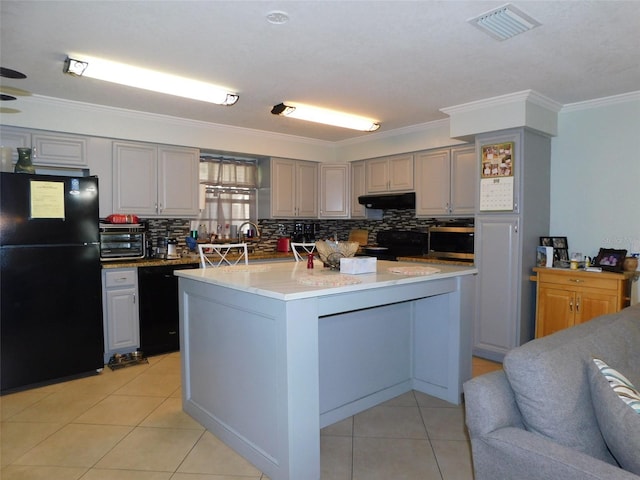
<point x="152" y="180"/>
<point x="358" y="188"/>
<point x="446" y="182"/>
<point x="334" y="190"/>
<point x="288" y="189"/>
<point x="390" y="174"/>
<point x="13" y="138"/>
<point x="464" y="180"/>
<point x="50" y="149"/>
<point x="59" y="150"/>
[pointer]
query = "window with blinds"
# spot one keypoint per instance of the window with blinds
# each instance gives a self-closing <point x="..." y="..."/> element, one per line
<point x="230" y="193"/>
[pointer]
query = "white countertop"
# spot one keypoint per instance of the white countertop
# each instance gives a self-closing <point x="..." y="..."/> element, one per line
<point x="293" y="280"/>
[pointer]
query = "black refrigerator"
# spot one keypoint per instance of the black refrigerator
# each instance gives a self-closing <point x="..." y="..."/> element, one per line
<point x="50" y="286"/>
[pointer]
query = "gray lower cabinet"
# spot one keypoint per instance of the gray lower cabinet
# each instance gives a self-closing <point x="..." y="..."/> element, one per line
<point x="120" y="311"/>
<point x="496" y="330"/>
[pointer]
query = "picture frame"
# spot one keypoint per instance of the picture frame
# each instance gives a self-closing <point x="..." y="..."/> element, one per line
<point x="555" y="242"/>
<point x="560" y="250"/>
<point x="610" y="259"/>
<point x="497" y="177"/>
<point x="497" y="160"/>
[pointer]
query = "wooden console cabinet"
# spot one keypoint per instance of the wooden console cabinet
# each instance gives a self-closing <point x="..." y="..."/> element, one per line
<point x="569" y="297"/>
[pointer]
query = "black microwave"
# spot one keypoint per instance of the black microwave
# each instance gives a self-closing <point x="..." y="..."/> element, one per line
<point x="453" y="242"/>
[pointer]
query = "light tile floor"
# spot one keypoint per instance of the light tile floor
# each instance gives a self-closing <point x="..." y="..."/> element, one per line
<point x="128" y="424"/>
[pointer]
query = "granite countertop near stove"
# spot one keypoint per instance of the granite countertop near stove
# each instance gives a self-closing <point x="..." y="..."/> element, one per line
<point x="427" y="259"/>
<point x="192" y="259"/>
<point x="258" y="256"/>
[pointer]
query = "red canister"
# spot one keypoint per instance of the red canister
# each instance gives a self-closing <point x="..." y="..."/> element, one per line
<point x="283" y="244"/>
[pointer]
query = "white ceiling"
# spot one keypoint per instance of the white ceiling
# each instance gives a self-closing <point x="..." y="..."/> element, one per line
<point x="396" y="61"/>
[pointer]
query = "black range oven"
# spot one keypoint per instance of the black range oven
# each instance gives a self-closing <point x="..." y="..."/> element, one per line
<point x="392" y="244"/>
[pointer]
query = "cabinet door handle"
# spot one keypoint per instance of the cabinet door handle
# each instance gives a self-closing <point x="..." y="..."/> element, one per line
<point x="571" y="305"/>
<point x="172" y="332"/>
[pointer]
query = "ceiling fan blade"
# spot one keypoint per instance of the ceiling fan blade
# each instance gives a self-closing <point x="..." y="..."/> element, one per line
<point x="8" y="73"/>
<point x="18" y="92"/>
<point x="4" y="97"/>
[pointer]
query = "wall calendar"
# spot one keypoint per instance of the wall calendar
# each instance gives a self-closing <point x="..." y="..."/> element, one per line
<point x="496" y="177"/>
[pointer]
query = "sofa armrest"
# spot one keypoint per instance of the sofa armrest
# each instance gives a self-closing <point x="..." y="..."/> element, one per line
<point x="490" y="404"/>
<point x="513" y="453"/>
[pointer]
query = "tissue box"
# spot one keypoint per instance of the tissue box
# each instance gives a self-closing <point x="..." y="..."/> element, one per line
<point x="355" y="265"/>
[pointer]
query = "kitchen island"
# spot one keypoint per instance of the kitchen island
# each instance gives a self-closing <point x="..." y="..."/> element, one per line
<point x="271" y="353"/>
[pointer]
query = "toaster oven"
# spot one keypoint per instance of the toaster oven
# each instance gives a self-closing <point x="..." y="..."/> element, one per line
<point x="122" y="241"/>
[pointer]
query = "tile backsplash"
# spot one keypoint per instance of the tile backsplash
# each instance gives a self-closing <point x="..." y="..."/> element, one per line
<point x="270" y="231"/>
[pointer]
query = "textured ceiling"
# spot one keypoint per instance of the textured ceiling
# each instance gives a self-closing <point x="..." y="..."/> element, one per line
<point x="396" y="61"/>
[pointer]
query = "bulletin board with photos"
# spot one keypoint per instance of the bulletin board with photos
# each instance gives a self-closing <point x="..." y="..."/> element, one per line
<point x="497" y="177"/>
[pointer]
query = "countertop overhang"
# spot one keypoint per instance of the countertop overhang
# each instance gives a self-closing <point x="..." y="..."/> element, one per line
<point x="293" y="280"/>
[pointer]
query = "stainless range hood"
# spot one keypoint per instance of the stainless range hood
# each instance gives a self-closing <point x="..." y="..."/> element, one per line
<point x="389" y="200"/>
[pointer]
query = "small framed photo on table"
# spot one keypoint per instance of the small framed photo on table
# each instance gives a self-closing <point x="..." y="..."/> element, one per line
<point x="560" y="250"/>
<point x="610" y="259"/>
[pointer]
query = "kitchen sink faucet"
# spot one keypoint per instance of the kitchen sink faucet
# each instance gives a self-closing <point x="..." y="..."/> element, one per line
<point x="241" y="234"/>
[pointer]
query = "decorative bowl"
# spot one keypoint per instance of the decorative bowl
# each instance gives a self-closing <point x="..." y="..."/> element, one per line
<point x="331" y="252"/>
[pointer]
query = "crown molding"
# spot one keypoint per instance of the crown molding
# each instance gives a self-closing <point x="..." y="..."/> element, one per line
<point x="173" y="121"/>
<point x="522" y="96"/>
<point x="602" y="102"/>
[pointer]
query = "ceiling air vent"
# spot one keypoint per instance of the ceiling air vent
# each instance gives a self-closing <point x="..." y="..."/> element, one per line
<point x="504" y="22"/>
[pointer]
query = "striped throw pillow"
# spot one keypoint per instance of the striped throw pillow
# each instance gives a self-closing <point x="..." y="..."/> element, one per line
<point x="621" y="385"/>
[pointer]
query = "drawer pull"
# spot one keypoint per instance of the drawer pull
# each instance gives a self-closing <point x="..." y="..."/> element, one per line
<point x="576" y="280"/>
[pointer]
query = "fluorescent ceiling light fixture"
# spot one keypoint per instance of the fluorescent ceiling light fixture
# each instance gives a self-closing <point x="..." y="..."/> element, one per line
<point x="504" y="22"/>
<point x="138" y="77"/>
<point x="328" y="117"/>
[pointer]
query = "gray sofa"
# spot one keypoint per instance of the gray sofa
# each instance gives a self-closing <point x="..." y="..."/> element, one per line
<point x="543" y="417"/>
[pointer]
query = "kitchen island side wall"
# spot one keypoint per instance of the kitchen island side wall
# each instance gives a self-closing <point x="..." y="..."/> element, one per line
<point x="264" y="371"/>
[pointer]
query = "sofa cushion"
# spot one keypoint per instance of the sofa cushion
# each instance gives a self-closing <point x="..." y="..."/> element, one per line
<point x="617" y="406"/>
<point x="549" y="377"/>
